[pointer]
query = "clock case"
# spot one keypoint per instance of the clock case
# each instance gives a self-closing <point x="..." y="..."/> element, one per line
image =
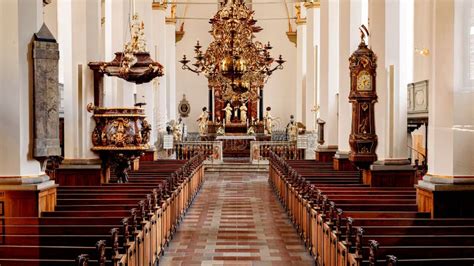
<point x="363" y="139"/>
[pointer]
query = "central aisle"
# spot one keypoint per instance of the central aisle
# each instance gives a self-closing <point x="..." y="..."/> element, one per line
<point x="236" y="220"/>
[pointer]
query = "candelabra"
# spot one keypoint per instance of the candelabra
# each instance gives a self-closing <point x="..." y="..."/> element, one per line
<point x="234" y="62"/>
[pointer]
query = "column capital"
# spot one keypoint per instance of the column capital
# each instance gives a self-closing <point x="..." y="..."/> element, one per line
<point x="170" y="21"/>
<point x="300" y="21"/>
<point x="159" y="6"/>
<point x="312" y="4"/>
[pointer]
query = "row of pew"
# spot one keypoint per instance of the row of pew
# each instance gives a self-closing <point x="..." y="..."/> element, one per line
<point x="344" y="222"/>
<point x="112" y="224"/>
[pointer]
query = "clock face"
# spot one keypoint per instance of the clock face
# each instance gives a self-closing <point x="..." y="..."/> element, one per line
<point x="364" y="81"/>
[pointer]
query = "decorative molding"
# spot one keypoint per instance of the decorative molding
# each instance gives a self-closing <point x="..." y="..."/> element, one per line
<point x="300" y="21"/>
<point x="315" y="4"/>
<point x="170" y="20"/>
<point x="159" y="6"/>
<point x="292" y="37"/>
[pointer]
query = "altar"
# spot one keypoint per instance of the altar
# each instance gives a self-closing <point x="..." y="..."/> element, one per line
<point x="236" y="145"/>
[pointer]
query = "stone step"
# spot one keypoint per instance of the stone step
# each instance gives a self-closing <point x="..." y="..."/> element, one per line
<point x="236" y="167"/>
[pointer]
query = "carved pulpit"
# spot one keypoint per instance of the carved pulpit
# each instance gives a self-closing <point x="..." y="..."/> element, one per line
<point x="363" y="96"/>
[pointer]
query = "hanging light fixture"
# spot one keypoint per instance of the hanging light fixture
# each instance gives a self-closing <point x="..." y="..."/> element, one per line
<point x="234" y="62"/>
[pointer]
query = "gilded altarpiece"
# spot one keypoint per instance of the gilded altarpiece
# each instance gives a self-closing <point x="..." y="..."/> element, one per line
<point x="220" y="103"/>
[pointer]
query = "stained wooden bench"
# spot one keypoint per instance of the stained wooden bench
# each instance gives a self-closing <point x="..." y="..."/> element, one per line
<point x="385" y="214"/>
<point x="85" y="214"/>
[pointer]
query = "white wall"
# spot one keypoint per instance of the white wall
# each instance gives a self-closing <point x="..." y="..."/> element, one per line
<point x="195" y="87"/>
<point x="279" y="92"/>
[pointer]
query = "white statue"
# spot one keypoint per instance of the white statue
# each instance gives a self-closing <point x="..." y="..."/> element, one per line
<point x="228" y="113"/>
<point x="236" y="112"/>
<point x="243" y="113"/>
<point x="177" y="129"/>
<point x="203" y="120"/>
<point x="268" y="120"/>
<point x="292" y="129"/>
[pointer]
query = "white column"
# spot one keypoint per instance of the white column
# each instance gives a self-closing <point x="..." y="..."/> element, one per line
<point x="171" y="67"/>
<point x="392" y="21"/>
<point x="19" y="20"/>
<point x="451" y="97"/>
<point x="146" y="92"/>
<point x="118" y="92"/>
<point x="79" y="37"/>
<point x="350" y="19"/>
<point x="377" y="28"/>
<point x="313" y="44"/>
<point x="329" y="70"/>
<point x="301" y="64"/>
<point x="399" y="54"/>
<point x="423" y="27"/>
<point x="159" y="36"/>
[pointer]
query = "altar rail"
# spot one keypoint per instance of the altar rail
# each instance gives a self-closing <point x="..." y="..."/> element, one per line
<point x="260" y="150"/>
<point x="187" y="149"/>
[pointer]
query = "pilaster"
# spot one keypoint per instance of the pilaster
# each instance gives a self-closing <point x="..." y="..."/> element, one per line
<point x="328" y="91"/>
<point x="25" y="190"/>
<point x="79" y="38"/>
<point x="301" y="64"/>
<point x="313" y="42"/>
<point x="170" y="71"/>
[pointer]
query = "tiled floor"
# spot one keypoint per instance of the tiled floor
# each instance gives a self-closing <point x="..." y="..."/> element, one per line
<point x="236" y="220"/>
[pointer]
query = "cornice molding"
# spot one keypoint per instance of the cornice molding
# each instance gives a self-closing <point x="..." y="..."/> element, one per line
<point x="170" y="20"/>
<point x="300" y="21"/>
<point x="315" y="4"/>
<point x="159" y="6"/>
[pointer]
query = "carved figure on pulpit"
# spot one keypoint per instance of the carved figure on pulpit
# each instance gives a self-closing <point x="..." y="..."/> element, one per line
<point x="268" y="121"/>
<point x="292" y="129"/>
<point x="243" y="113"/>
<point x="228" y="113"/>
<point x="203" y="120"/>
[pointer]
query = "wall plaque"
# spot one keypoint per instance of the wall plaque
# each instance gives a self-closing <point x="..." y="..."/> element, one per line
<point x="46" y="95"/>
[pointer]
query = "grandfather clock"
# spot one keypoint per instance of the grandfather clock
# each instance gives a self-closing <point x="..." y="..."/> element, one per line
<point x="363" y="96"/>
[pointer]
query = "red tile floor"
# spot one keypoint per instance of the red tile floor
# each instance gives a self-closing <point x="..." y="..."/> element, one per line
<point x="236" y="220"/>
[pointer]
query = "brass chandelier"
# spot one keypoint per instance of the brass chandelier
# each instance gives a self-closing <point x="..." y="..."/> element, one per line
<point x="233" y="62"/>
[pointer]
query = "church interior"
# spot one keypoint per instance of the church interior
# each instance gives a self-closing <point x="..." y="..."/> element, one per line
<point x="237" y="132"/>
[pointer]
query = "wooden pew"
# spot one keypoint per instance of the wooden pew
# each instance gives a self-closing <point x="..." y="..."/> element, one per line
<point x="315" y="204"/>
<point x="88" y="213"/>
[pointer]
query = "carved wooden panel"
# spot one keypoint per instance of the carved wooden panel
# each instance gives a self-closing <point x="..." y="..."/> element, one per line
<point x="418" y="98"/>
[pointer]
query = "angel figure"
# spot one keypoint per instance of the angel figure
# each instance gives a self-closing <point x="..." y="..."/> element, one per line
<point x="243" y="113"/>
<point x="228" y="113"/>
<point x="268" y="120"/>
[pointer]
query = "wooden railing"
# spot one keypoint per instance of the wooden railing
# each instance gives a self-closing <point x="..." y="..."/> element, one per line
<point x="187" y="149"/>
<point x="260" y="150"/>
